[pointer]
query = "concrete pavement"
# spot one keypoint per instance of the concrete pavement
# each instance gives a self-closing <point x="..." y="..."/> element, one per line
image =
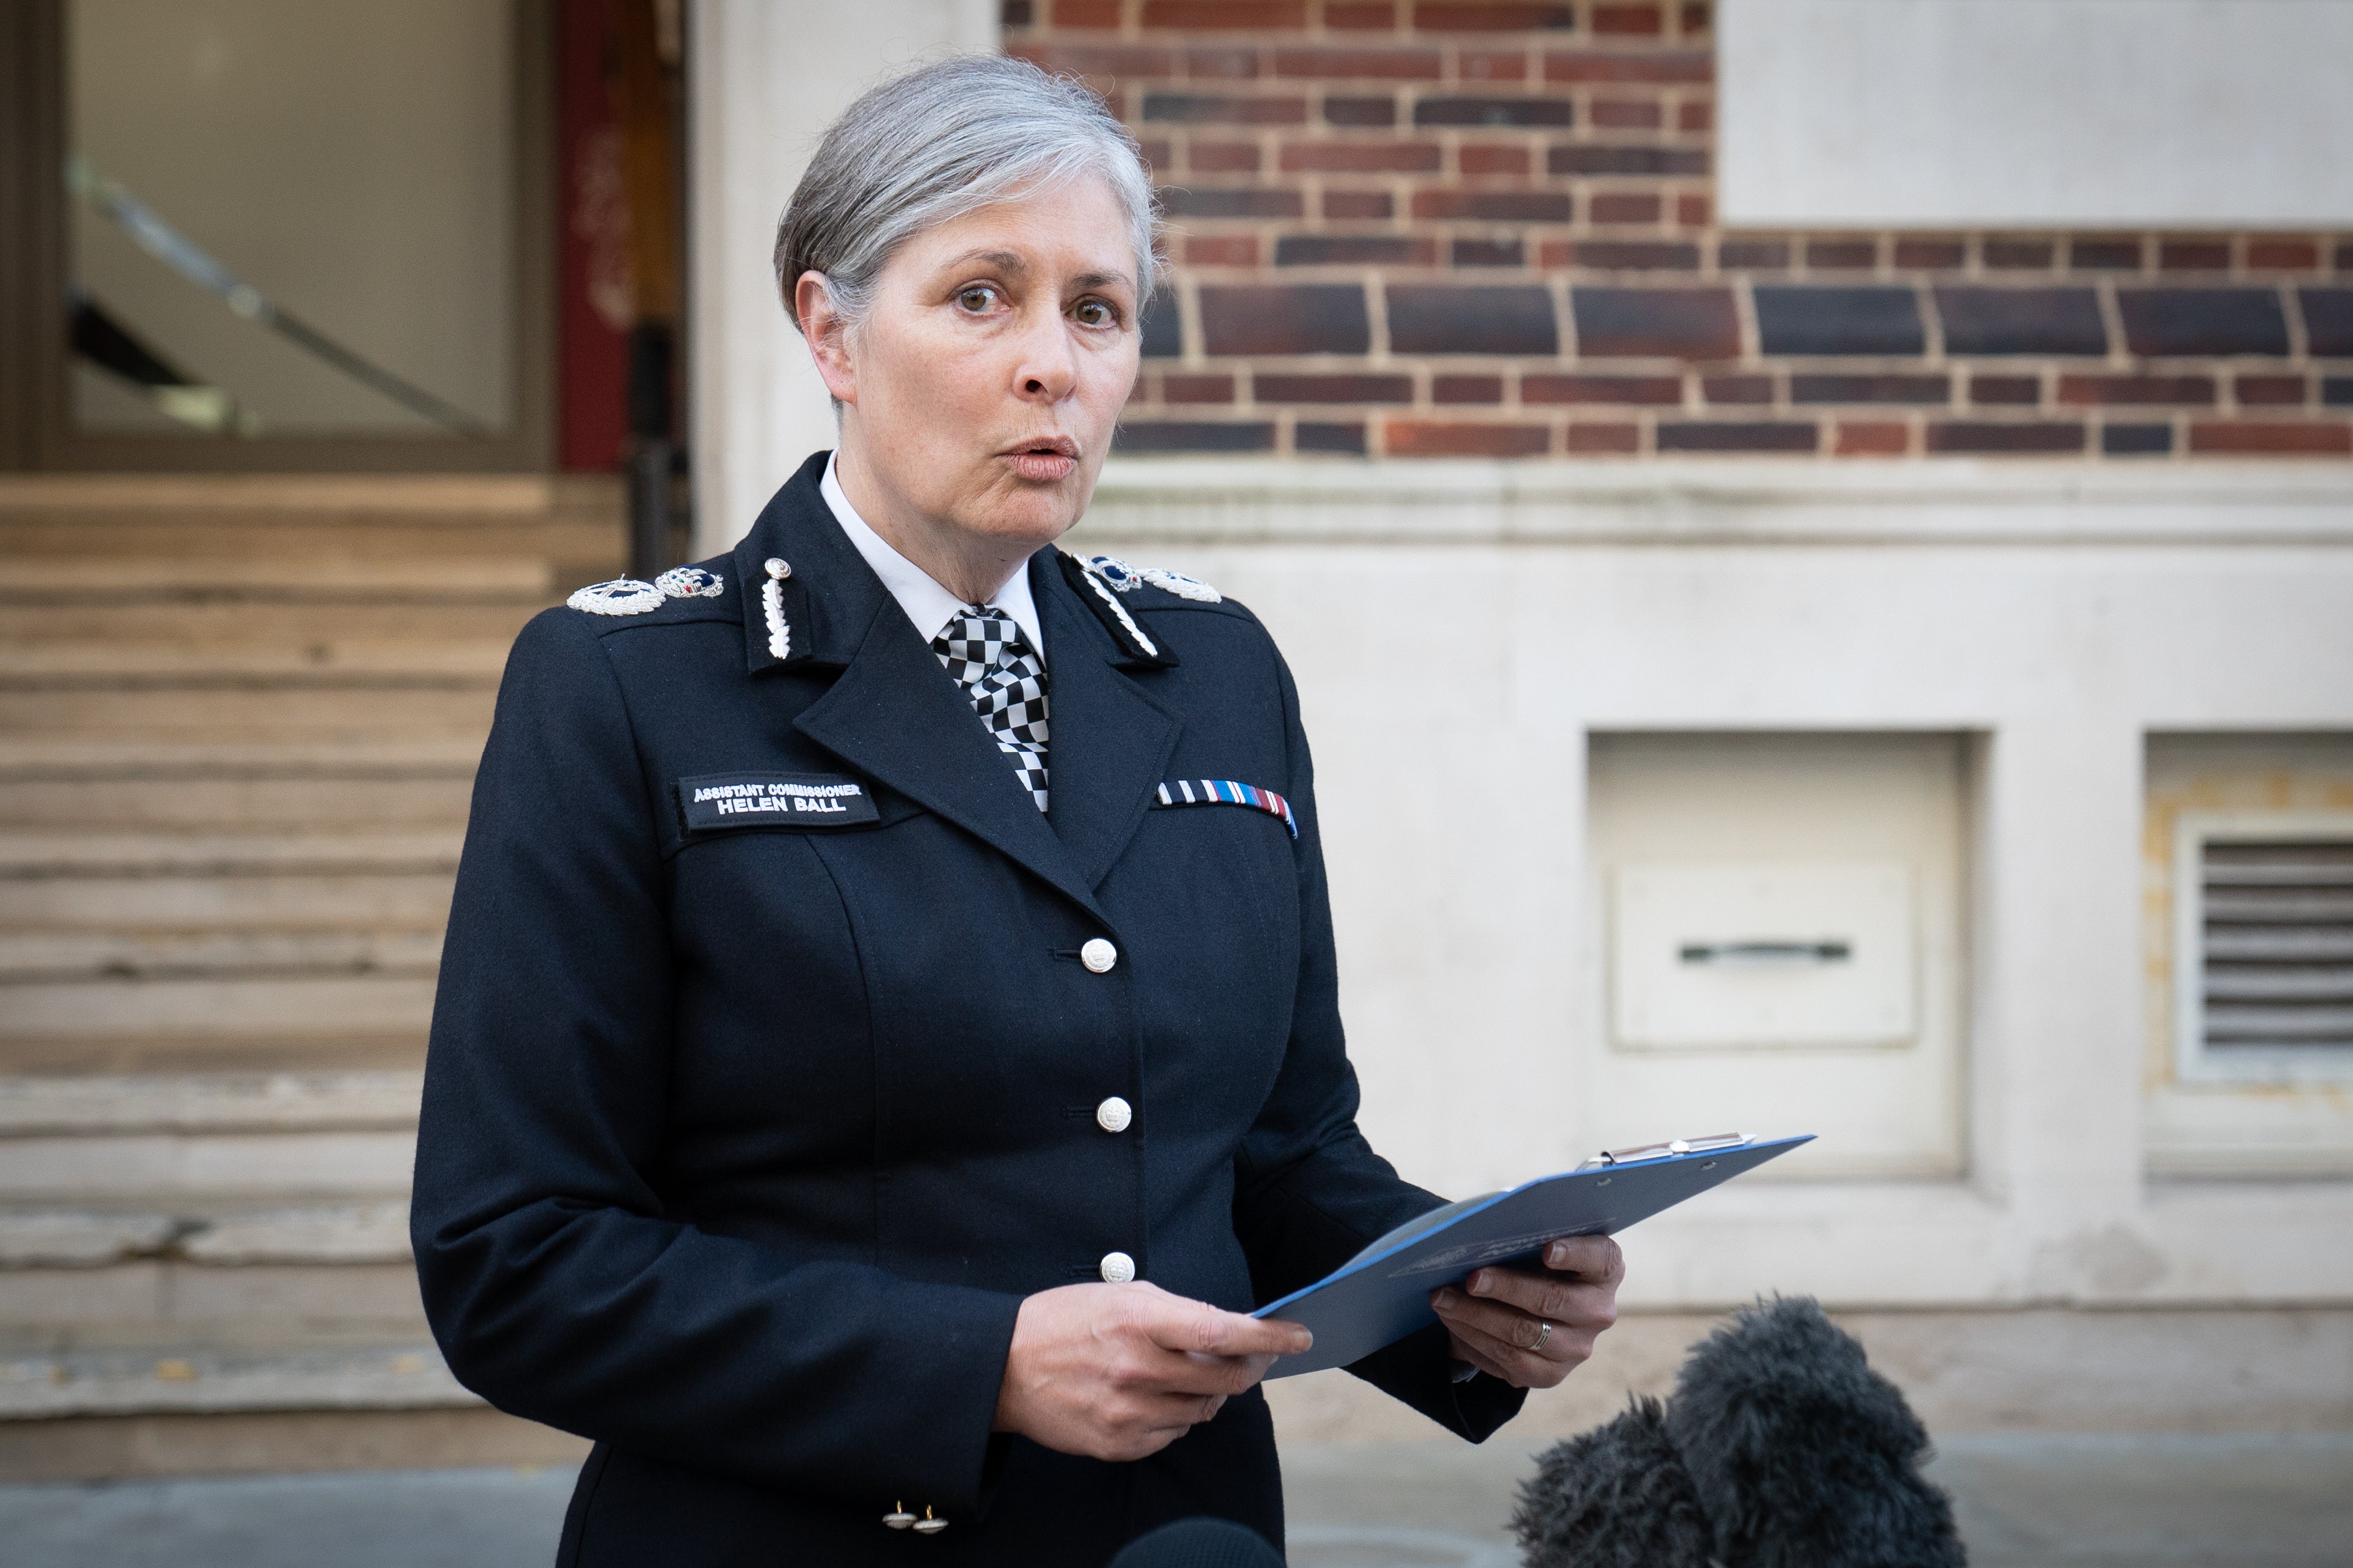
<point x="2024" y="1502"/>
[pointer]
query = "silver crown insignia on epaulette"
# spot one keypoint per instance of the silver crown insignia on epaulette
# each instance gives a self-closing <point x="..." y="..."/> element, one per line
<point x="621" y="596"/>
<point x="628" y="596"/>
<point x="1127" y="579"/>
<point x="690" y="583"/>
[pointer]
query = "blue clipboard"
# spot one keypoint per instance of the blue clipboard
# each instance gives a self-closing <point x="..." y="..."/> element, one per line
<point x="1382" y="1294"/>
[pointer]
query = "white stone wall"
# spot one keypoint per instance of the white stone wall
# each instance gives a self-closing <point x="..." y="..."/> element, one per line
<point x="2038" y="113"/>
<point x="764" y="80"/>
<point x="1459" y="632"/>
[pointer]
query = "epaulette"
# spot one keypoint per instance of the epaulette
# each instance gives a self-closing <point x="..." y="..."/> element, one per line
<point x="1100" y="595"/>
<point x="1126" y="579"/>
<point x="628" y="596"/>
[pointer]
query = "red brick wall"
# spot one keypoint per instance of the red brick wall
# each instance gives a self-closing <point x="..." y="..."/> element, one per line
<point x="1444" y="227"/>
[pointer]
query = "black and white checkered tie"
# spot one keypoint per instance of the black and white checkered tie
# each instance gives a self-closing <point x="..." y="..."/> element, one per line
<point x="985" y="650"/>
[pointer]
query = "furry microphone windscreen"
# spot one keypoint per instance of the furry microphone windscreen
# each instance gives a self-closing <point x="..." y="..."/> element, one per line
<point x="1803" y="1456"/>
<point x="1616" y="1498"/>
<point x="1781" y="1448"/>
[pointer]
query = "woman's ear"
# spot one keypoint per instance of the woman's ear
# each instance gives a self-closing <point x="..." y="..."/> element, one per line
<point x="827" y="333"/>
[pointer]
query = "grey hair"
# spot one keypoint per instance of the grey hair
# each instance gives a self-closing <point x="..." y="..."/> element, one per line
<point x="942" y="142"/>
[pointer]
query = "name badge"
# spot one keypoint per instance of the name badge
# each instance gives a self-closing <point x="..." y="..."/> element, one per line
<point x="773" y="800"/>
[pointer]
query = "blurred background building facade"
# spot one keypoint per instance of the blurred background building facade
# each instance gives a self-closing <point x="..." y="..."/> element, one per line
<point x="1816" y="537"/>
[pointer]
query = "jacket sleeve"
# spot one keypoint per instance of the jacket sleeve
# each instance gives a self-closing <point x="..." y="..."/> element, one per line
<point x="555" y="1285"/>
<point x="1310" y="1193"/>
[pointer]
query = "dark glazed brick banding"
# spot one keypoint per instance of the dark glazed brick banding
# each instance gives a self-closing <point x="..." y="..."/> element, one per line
<point x="2329" y="319"/>
<point x="1345" y="439"/>
<point x="1279" y="318"/>
<point x="1624" y="254"/>
<point x="1649" y="391"/>
<point x="2202" y="321"/>
<point x="1916" y="389"/>
<point x="1493" y="17"/>
<point x="1348" y="249"/>
<point x="2061" y="320"/>
<point x="1200" y="109"/>
<point x="1504" y="319"/>
<point x="2005" y="391"/>
<point x="1164" y="334"/>
<point x="1184" y="201"/>
<point x="1275" y="387"/>
<point x="2136" y="440"/>
<point x="1796" y="318"/>
<point x="1736" y="391"/>
<point x="1579" y="158"/>
<point x="1777" y="435"/>
<point x="1964" y="435"/>
<point x="1496" y="206"/>
<point x="1192" y="436"/>
<point x="1655" y="323"/>
<point x="1496" y="111"/>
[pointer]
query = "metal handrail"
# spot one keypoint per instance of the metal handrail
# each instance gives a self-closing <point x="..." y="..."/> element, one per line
<point x="167" y="244"/>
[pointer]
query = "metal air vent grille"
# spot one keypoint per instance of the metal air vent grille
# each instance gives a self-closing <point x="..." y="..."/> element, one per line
<point x="2268" y="949"/>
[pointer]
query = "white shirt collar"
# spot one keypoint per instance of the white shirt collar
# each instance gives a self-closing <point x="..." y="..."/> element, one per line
<point x="928" y="606"/>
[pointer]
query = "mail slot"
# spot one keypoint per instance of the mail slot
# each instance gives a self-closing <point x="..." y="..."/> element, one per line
<point x="1763" y="955"/>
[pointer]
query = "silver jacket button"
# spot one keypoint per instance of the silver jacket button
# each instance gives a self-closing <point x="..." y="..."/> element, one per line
<point x="1113" y="1115"/>
<point x="1118" y="1269"/>
<point x="927" y="1525"/>
<point x="898" y="1518"/>
<point x="1098" y="955"/>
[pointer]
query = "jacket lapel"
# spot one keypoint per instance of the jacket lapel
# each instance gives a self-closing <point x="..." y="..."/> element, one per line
<point x="1109" y="741"/>
<point x="894" y="714"/>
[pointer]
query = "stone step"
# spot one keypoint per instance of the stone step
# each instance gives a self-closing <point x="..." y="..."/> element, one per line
<point x="341" y="666"/>
<point x="349" y="803"/>
<point x="360" y="900"/>
<point x="294" y="624"/>
<point x="446" y="710"/>
<point x="262" y="515"/>
<point x="208" y="1012"/>
<point x="82" y="757"/>
<point x="199" y="1378"/>
<point x="41" y="855"/>
<point x="328" y="1045"/>
<point x="178" y="579"/>
<point x="208" y="1170"/>
<point x="223" y="1237"/>
<point x="172" y="954"/>
<point x="119" y="1104"/>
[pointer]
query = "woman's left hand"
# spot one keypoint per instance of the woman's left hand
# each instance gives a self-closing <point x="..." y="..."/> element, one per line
<point x="1498" y="1317"/>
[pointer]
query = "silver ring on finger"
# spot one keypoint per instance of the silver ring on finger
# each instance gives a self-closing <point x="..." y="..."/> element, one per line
<point x="1544" y="1333"/>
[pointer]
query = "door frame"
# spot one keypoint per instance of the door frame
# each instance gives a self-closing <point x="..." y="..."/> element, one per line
<point x="36" y="426"/>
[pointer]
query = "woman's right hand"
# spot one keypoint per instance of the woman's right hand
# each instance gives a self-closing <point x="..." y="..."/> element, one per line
<point x="1120" y="1372"/>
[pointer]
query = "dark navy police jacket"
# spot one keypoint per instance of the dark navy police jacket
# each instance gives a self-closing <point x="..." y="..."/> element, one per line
<point x="744" y="1134"/>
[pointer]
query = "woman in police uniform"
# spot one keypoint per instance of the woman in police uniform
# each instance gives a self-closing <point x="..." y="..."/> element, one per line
<point x="888" y="1037"/>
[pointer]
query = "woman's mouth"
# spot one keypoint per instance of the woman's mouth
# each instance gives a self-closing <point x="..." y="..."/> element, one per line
<point x="1046" y="459"/>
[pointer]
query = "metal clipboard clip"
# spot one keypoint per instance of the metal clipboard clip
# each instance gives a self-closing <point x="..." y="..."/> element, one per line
<point x="1707" y="1145"/>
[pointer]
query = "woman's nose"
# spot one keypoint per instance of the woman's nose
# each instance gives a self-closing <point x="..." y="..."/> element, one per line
<point x="1047" y="368"/>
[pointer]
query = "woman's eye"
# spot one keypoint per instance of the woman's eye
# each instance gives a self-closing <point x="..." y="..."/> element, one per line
<point x="977" y="299"/>
<point x="1096" y="313"/>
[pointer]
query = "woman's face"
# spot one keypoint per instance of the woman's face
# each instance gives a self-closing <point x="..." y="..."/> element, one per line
<point x="981" y="392"/>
